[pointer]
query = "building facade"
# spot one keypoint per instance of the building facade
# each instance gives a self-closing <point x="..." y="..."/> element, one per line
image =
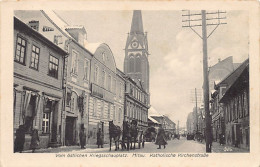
<point x="107" y="92"/>
<point x="136" y="104"/>
<point x="217" y="73"/>
<point x="76" y="78"/>
<point x="236" y="107"/>
<point x="38" y="85"/>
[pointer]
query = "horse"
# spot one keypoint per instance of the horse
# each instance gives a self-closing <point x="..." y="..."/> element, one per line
<point x="114" y="133"/>
<point x="126" y="138"/>
<point x="134" y="133"/>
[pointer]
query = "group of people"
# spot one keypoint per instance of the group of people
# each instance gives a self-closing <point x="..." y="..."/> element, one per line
<point x="82" y="138"/>
<point x="20" y="139"/>
<point x="21" y="131"/>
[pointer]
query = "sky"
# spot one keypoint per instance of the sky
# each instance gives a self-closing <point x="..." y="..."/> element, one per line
<point x="175" y="52"/>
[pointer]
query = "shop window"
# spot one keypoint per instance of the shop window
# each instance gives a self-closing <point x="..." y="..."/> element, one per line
<point x="108" y="111"/>
<point x="35" y="57"/>
<point x="20" y="50"/>
<point x="53" y="66"/>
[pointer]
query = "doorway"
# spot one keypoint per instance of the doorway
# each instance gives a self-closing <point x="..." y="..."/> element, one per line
<point x="70" y="131"/>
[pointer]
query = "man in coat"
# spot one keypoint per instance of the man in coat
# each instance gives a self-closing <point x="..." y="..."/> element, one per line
<point x="19" y="139"/>
<point x="99" y="138"/>
<point x="35" y="139"/>
<point x="161" y="138"/>
<point x="82" y="137"/>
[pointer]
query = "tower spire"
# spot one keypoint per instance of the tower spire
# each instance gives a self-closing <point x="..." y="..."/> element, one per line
<point x="137" y="23"/>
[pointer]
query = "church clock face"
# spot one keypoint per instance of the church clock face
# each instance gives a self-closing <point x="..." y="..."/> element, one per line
<point x="134" y="44"/>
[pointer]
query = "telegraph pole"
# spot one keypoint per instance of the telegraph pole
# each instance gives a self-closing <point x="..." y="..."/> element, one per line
<point x="203" y="23"/>
<point x="196" y="110"/>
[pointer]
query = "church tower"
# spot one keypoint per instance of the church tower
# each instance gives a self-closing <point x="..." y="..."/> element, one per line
<point x="136" y="64"/>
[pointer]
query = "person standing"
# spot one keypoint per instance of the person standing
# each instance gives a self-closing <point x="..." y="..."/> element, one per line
<point x="35" y="141"/>
<point x="99" y="138"/>
<point x="19" y="139"/>
<point x="82" y="137"/>
<point x="161" y="138"/>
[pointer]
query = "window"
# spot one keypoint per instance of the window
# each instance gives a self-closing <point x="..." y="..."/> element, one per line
<point x="68" y="99"/>
<point x="86" y="69"/>
<point x="35" y="57"/>
<point x="138" y="64"/>
<point x="114" y="113"/>
<point x="131" y="64"/>
<point x="103" y="78"/>
<point x="119" y="114"/>
<point x="20" y="50"/>
<point x="45" y="122"/>
<point x="103" y="56"/>
<point x="109" y="83"/>
<point x="96" y="75"/>
<point x="102" y="110"/>
<point x="94" y="107"/>
<point x="72" y="104"/>
<point x="58" y="39"/>
<point x="120" y="89"/>
<point x="114" y="86"/>
<point x="53" y="66"/>
<point x="74" y="61"/>
<point x="108" y="111"/>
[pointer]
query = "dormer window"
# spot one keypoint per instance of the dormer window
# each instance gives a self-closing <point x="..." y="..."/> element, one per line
<point x="58" y="39"/>
<point x="34" y="25"/>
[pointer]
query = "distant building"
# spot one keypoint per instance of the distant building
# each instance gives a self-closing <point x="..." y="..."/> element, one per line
<point x="38" y="85"/>
<point x="236" y="107"/>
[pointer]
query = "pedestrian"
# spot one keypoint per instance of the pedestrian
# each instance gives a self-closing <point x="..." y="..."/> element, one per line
<point x="161" y="138"/>
<point x="82" y="137"/>
<point x="99" y="138"/>
<point x="35" y="141"/>
<point x="19" y="139"/>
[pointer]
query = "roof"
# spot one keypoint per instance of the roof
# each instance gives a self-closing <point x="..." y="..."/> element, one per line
<point x="76" y="27"/>
<point x="56" y="20"/>
<point x="230" y="79"/>
<point x="137" y="22"/>
<point x="168" y="120"/>
<point x="153" y="120"/>
<point x="240" y="80"/>
<point x="153" y="112"/>
<point x="91" y="47"/>
<point x="21" y="25"/>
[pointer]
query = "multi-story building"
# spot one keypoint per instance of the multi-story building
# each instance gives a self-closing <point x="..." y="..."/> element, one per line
<point x="38" y="85"/>
<point x="136" y="66"/>
<point x="217" y="73"/>
<point x="76" y="67"/>
<point x="136" y="104"/>
<point x="107" y="92"/>
<point x="236" y="106"/>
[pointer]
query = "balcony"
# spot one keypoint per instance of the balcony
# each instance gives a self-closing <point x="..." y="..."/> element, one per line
<point x="102" y="93"/>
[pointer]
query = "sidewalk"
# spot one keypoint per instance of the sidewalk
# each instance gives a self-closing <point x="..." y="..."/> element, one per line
<point x="217" y="148"/>
<point x="63" y="149"/>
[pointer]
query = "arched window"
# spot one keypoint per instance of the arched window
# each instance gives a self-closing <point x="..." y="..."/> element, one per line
<point x="131" y="63"/>
<point x="138" y="63"/>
